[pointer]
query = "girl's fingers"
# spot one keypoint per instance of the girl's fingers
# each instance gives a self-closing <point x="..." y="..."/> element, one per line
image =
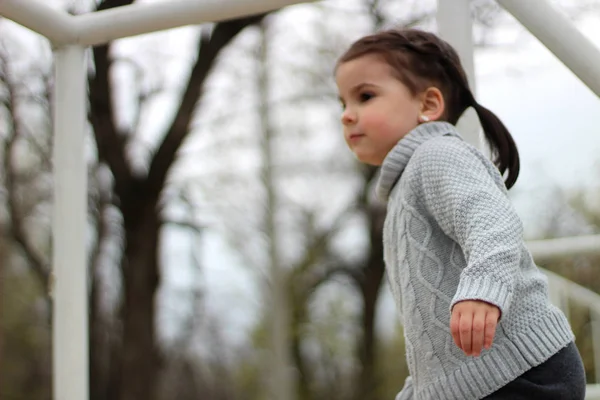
<point x="465" y="327"/>
<point x="473" y="325"/>
<point x="491" y="321"/>
<point x="479" y="320"/>
<point x="454" y="325"/>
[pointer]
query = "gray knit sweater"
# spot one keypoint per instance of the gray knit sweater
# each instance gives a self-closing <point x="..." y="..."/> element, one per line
<point x="451" y="234"/>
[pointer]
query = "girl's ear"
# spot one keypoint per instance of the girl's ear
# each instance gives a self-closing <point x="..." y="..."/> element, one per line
<point x="432" y="104"/>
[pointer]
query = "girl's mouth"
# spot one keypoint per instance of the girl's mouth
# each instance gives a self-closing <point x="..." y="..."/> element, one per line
<point x="355" y="136"/>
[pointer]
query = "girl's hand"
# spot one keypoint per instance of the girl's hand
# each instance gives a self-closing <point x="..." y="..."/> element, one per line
<point x="473" y="325"/>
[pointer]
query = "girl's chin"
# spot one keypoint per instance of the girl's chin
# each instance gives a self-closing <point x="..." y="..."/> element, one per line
<point x="368" y="159"/>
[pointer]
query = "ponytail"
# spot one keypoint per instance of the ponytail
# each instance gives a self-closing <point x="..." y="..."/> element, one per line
<point x="504" y="149"/>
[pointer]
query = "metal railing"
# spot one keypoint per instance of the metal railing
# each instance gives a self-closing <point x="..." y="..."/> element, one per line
<point x="562" y="291"/>
<point x="593" y="392"/>
<point x="582" y="57"/>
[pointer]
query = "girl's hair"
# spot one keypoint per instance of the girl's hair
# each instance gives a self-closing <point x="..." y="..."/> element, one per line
<point x="421" y="59"/>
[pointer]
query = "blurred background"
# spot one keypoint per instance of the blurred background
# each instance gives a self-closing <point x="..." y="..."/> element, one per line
<point x="216" y="162"/>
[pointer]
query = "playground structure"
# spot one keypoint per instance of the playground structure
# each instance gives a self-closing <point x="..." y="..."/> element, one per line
<point x="71" y="35"/>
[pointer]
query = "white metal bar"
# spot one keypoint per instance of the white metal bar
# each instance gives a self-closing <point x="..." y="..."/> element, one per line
<point x="565" y="306"/>
<point x="455" y="25"/>
<point x="576" y="292"/>
<point x="56" y="25"/>
<point x="560" y="299"/>
<point x="549" y="249"/>
<point x="70" y="299"/>
<point x="583" y="296"/>
<point x="595" y="322"/>
<point x="593" y="392"/>
<point x="560" y="36"/>
<point x="104" y="26"/>
<point x="563" y="288"/>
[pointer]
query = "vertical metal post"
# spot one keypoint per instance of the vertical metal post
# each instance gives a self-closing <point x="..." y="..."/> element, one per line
<point x="565" y="304"/>
<point x="595" y="317"/>
<point x="456" y="27"/>
<point x="70" y="298"/>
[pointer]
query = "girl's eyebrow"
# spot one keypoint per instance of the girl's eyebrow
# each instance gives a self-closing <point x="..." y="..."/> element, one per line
<point x="361" y="86"/>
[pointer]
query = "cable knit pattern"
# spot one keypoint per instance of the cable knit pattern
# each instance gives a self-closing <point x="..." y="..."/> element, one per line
<point x="451" y="234"/>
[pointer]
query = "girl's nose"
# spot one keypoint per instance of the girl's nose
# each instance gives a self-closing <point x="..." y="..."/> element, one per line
<point x="348" y="117"/>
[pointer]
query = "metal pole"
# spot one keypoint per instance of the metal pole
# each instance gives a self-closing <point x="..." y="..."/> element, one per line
<point x="456" y="27"/>
<point x="104" y="26"/>
<point x="560" y="36"/>
<point x="70" y="298"/>
<point x="592" y="392"/>
<point x="56" y="25"/>
<point x="136" y="19"/>
<point x="573" y="291"/>
<point x="595" y="322"/>
<point x="551" y="249"/>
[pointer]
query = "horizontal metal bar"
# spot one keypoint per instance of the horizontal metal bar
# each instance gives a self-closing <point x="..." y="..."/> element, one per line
<point x="560" y="36"/>
<point x="136" y="19"/>
<point x="593" y="391"/>
<point x="550" y="249"/>
<point x="573" y="291"/>
<point x="56" y="25"/>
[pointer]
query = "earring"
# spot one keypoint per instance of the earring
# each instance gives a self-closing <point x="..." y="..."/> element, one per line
<point x="423" y="118"/>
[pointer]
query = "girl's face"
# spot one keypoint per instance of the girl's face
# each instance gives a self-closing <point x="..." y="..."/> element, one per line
<point x="379" y="109"/>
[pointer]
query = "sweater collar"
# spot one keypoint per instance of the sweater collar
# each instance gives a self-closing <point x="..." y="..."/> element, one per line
<point x="395" y="162"/>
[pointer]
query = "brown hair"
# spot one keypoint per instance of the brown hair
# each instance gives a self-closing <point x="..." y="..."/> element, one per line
<point x="421" y="59"/>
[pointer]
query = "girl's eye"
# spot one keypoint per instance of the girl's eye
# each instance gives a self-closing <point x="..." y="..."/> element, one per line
<point x="364" y="97"/>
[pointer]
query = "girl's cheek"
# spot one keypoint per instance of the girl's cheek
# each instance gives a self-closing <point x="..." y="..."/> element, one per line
<point x="376" y="121"/>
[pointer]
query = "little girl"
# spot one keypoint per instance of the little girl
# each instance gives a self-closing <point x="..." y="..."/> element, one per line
<point x="475" y="308"/>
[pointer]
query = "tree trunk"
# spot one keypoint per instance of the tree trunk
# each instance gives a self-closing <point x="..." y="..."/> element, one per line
<point x="96" y="355"/>
<point x="139" y="353"/>
<point x="3" y="262"/>
<point x="299" y="303"/>
<point x="134" y="356"/>
<point x="370" y="287"/>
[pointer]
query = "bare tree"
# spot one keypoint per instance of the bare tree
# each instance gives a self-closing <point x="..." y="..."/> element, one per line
<point x="128" y="213"/>
<point x="25" y="195"/>
<point x="138" y="198"/>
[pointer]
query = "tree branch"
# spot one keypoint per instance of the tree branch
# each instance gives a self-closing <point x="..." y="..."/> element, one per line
<point x="209" y="48"/>
<point x="349" y="271"/>
<point x="106" y="4"/>
<point x="316" y="252"/>
<point x="185" y="223"/>
<point x="16" y="224"/>
<point x="110" y="142"/>
<point x="101" y="206"/>
<point x="374" y="10"/>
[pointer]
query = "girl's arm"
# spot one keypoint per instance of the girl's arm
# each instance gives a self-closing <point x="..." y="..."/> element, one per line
<point x="465" y="194"/>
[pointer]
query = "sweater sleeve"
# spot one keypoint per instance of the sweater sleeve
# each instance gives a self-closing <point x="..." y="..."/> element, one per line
<point x="465" y="194"/>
